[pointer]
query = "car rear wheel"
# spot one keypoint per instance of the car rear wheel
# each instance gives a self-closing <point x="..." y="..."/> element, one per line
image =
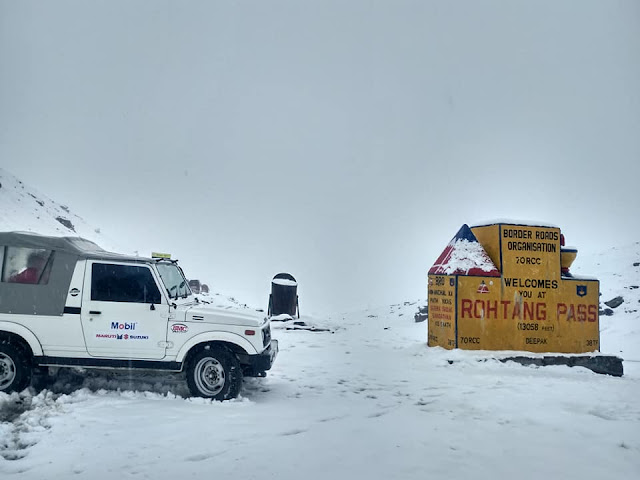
<point x="214" y="372"/>
<point x="15" y="372"/>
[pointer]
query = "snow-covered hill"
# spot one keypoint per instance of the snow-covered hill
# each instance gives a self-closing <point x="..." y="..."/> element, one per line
<point x="25" y="209"/>
<point x="618" y="269"/>
<point x="358" y="396"/>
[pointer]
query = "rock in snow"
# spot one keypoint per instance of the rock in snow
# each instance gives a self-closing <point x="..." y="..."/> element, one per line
<point x="614" y="302"/>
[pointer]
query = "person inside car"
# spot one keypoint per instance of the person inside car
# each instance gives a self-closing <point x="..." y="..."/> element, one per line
<point x="36" y="263"/>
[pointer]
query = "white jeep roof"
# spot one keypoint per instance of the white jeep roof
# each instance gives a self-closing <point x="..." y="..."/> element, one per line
<point x="49" y="299"/>
<point x="77" y="246"/>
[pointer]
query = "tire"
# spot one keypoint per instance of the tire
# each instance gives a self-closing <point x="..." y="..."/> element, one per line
<point x="15" y="370"/>
<point x="214" y="372"/>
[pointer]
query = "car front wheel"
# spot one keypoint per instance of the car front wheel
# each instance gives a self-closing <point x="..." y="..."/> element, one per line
<point x="214" y="372"/>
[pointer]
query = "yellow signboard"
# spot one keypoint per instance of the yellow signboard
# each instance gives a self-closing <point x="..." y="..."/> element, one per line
<point x="530" y="307"/>
<point x="442" y="313"/>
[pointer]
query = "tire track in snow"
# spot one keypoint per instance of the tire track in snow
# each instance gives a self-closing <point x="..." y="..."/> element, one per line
<point x="23" y="419"/>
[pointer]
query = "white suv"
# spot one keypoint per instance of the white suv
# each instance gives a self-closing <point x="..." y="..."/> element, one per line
<point x="65" y="302"/>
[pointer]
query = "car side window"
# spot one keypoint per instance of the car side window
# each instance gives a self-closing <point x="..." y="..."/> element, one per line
<point x="26" y="265"/>
<point x="123" y="283"/>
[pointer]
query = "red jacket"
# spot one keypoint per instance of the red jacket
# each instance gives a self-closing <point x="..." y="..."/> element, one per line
<point x="28" y="275"/>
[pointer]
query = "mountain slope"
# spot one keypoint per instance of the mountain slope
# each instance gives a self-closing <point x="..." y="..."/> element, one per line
<point x="23" y="208"/>
<point x="26" y="209"/>
<point x="618" y="269"/>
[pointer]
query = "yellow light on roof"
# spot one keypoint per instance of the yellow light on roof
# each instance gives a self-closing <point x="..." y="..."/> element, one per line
<point x="160" y="255"/>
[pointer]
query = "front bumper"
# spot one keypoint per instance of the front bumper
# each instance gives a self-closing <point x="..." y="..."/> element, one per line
<point x="257" y="365"/>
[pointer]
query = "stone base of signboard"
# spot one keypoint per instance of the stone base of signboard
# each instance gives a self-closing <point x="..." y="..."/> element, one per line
<point x="604" y="364"/>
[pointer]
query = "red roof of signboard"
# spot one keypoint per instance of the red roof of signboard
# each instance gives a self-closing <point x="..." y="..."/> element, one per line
<point x="464" y="256"/>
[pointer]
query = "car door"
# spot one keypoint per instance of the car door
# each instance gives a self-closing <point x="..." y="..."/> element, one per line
<point x="123" y="314"/>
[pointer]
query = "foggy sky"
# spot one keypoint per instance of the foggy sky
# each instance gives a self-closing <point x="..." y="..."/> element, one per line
<point x="344" y="142"/>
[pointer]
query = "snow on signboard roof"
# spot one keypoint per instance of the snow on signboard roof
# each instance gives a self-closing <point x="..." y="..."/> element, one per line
<point x="464" y="255"/>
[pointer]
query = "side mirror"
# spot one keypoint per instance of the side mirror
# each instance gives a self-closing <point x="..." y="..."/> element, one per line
<point x="152" y="307"/>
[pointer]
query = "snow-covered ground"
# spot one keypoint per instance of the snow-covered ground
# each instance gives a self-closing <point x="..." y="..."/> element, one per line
<point x="367" y="399"/>
<point x="362" y="397"/>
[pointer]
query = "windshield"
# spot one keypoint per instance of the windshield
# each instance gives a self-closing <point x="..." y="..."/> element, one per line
<point x="173" y="280"/>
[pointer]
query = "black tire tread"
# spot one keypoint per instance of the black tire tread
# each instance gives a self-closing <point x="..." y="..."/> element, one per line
<point x="20" y="358"/>
<point x="231" y="365"/>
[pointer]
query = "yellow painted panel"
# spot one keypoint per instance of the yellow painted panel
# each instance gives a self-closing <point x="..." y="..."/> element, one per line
<point x="442" y="313"/>
<point x="484" y="321"/>
<point x="561" y="320"/>
<point x="489" y="238"/>
<point x="577" y="317"/>
<point x="530" y="256"/>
